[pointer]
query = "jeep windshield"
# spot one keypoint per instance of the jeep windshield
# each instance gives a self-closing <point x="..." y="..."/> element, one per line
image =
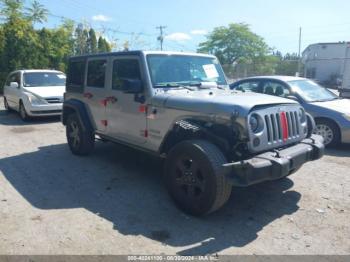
<point x="311" y="91"/>
<point x="184" y="71"/>
<point x="37" y="79"/>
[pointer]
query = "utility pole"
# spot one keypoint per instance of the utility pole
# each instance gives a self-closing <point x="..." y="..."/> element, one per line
<point x="299" y="58"/>
<point x="160" y="38"/>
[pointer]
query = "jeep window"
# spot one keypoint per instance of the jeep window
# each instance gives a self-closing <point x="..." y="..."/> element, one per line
<point x="43" y="79"/>
<point x="311" y="91"/>
<point x="172" y="69"/>
<point x="96" y="73"/>
<point x="76" y="73"/>
<point x="125" y="69"/>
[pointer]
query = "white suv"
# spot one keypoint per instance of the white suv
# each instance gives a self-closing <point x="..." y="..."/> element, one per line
<point x="35" y="92"/>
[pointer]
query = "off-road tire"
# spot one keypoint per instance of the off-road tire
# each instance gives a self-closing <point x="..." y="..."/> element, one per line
<point x="213" y="190"/>
<point x="334" y="129"/>
<point x="81" y="141"/>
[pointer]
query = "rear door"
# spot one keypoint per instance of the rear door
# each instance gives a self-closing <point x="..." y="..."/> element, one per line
<point x="95" y="90"/>
<point x="126" y="112"/>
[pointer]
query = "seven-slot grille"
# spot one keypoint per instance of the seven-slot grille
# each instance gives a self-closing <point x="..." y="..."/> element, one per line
<point x="55" y="100"/>
<point x="282" y="126"/>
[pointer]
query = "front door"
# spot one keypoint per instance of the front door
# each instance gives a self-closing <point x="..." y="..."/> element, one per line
<point x="126" y="112"/>
<point x="95" y="91"/>
<point x="12" y="93"/>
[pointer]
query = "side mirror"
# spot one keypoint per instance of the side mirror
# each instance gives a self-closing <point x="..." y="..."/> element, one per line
<point x="132" y="86"/>
<point x="14" y="85"/>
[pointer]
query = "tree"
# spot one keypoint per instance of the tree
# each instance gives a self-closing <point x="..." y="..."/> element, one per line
<point x="23" y="46"/>
<point x="107" y="46"/>
<point x="287" y="64"/>
<point x="234" y="44"/>
<point x="81" y="40"/>
<point x="92" y="41"/>
<point x="20" y="39"/>
<point x="37" y="12"/>
<point x="103" y="45"/>
<point x="11" y="8"/>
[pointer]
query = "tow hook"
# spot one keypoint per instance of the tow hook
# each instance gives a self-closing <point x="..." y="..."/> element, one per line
<point x="313" y="140"/>
<point x="277" y="153"/>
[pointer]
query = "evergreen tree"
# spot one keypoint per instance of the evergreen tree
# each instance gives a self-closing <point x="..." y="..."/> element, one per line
<point x="92" y="41"/>
<point x="81" y="40"/>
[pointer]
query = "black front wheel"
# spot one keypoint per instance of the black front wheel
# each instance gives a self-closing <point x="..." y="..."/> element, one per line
<point x="80" y="140"/>
<point x="194" y="178"/>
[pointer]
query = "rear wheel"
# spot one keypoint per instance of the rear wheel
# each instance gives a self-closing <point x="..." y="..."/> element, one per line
<point x="194" y="179"/>
<point x="80" y="140"/>
<point x="22" y="112"/>
<point x="329" y="131"/>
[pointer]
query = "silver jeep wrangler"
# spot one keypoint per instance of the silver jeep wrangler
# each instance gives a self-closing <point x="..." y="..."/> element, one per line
<point x="179" y="107"/>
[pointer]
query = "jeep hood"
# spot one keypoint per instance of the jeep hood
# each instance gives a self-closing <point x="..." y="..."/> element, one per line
<point x="213" y="101"/>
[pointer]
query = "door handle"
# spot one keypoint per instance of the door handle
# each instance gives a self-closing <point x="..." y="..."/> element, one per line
<point x="111" y="99"/>
<point x="88" y="95"/>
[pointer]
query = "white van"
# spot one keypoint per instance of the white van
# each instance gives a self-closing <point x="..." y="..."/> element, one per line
<point x="35" y="92"/>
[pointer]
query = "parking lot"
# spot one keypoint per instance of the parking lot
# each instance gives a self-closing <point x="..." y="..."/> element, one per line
<point x="113" y="202"/>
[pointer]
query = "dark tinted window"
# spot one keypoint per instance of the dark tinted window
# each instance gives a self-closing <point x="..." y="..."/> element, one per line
<point x="76" y="73"/>
<point x="125" y="69"/>
<point x="96" y="73"/>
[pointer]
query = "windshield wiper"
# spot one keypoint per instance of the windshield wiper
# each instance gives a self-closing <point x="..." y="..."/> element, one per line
<point x="173" y="85"/>
<point x="189" y="84"/>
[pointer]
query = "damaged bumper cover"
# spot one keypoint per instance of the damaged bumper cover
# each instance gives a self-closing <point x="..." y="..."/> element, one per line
<point x="274" y="164"/>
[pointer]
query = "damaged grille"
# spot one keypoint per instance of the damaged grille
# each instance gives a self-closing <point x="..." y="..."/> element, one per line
<point x="281" y="126"/>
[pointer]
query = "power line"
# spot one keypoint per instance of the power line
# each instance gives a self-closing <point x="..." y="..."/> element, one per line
<point x="104" y="30"/>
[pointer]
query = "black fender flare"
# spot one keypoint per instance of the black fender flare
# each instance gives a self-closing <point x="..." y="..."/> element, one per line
<point x="76" y="106"/>
<point x="192" y="128"/>
<point x="311" y="125"/>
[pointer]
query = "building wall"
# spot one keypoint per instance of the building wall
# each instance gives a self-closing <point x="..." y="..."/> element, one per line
<point x="325" y="62"/>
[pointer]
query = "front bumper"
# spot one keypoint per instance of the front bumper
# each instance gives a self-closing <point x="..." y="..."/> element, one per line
<point x="275" y="164"/>
<point x="44" y="110"/>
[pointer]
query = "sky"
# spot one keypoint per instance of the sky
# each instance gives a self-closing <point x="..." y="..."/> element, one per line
<point x="188" y="22"/>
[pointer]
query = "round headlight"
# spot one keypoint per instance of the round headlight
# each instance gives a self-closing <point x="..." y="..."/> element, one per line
<point x="302" y="115"/>
<point x="254" y="123"/>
